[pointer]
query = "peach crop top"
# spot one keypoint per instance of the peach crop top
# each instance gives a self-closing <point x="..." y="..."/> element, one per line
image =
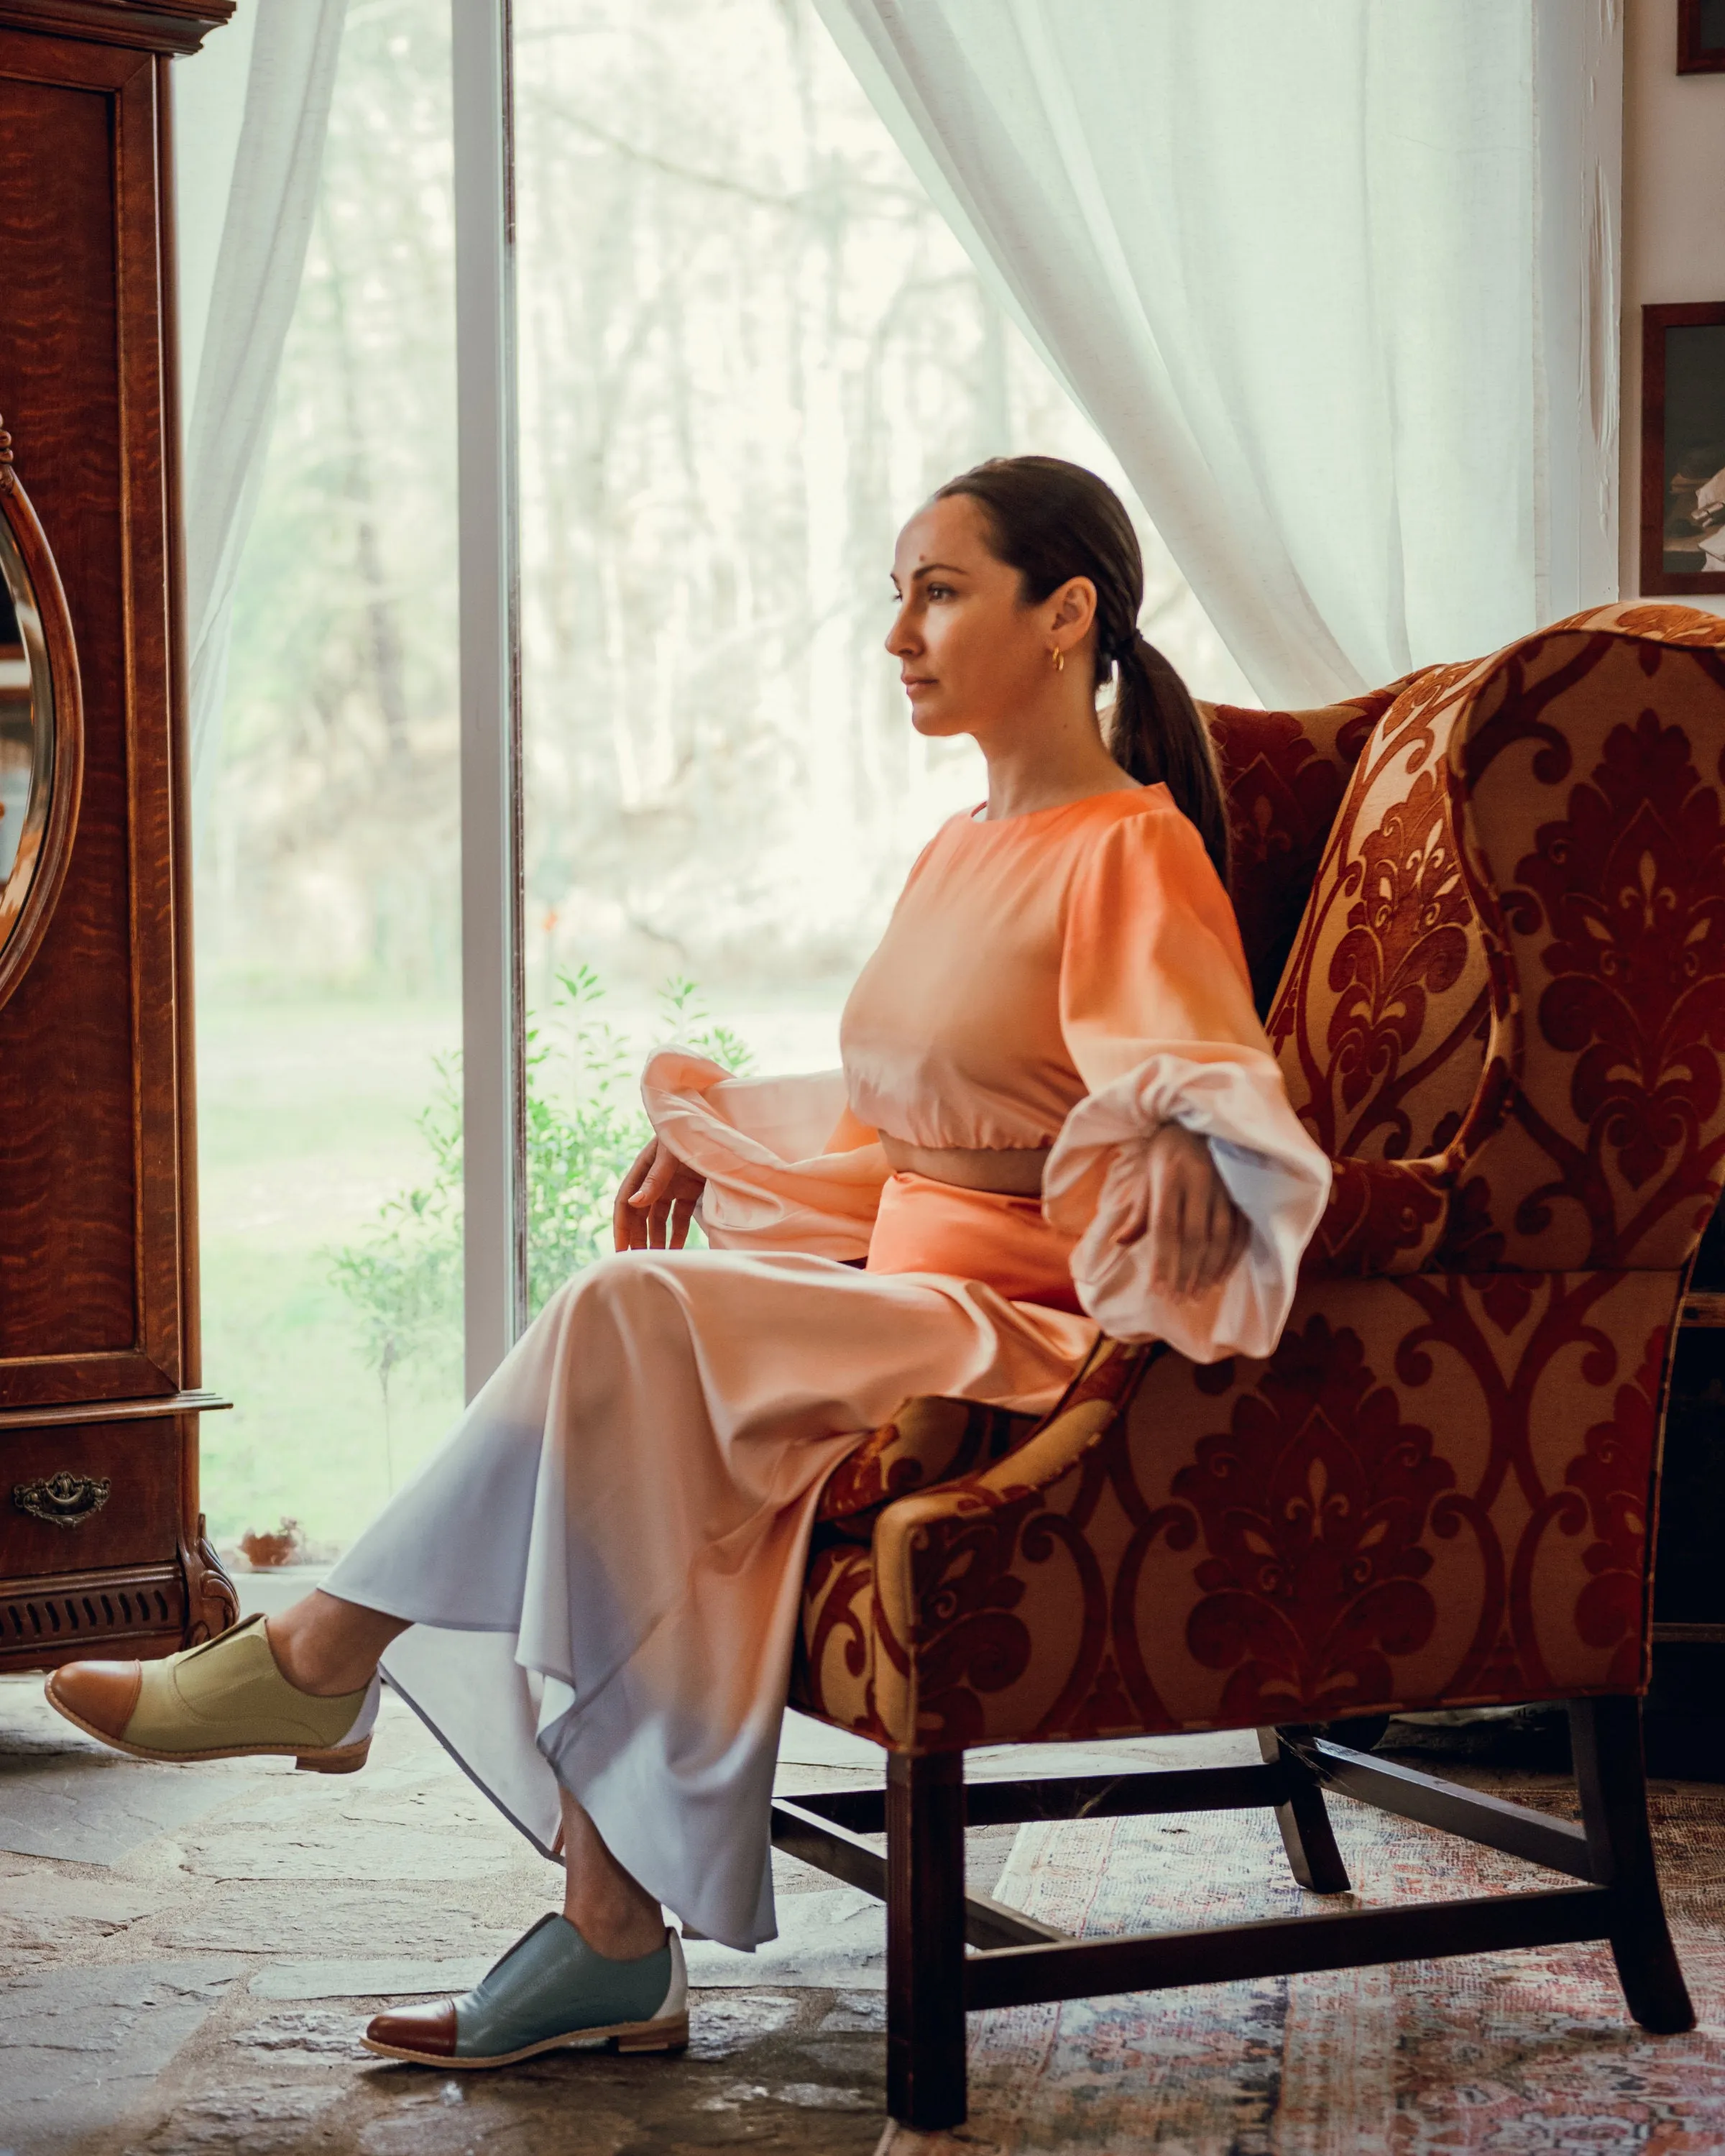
<point x="1034" y="959"/>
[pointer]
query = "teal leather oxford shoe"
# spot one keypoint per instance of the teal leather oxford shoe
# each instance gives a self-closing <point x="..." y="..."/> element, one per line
<point x="550" y="1989"/>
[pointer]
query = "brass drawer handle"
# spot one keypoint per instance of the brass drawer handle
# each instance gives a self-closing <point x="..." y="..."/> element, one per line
<point x="64" y="1500"/>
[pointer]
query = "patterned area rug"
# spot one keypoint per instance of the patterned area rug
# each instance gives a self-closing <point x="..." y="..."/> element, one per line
<point x="1529" y="2054"/>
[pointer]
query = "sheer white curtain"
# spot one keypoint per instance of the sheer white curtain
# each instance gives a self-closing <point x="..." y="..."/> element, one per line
<point x="259" y="178"/>
<point x="1287" y="255"/>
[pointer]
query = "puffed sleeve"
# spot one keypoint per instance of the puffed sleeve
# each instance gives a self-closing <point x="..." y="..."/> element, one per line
<point x="1157" y="1009"/>
<point x="788" y="1166"/>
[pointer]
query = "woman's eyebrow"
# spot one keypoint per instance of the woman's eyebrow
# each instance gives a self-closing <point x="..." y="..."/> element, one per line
<point x="927" y="569"/>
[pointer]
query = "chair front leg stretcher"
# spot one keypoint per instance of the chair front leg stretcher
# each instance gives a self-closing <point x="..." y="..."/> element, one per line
<point x="933" y="1982"/>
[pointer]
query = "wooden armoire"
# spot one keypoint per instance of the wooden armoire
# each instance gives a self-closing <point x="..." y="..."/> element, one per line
<point x="101" y="1543"/>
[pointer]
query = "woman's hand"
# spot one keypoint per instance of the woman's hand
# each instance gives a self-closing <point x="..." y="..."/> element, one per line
<point x="657" y="1201"/>
<point x="1196" y="1231"/>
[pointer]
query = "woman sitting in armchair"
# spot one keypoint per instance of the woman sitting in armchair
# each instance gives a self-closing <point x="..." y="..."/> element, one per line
<point x="1057" y="1111"/>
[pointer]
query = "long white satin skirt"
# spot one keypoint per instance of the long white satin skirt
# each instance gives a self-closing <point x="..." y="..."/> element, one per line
<point x="602" y="1564"/>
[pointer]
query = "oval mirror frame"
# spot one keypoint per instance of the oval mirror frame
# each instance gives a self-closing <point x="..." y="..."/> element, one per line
<point x="26" y="901"/>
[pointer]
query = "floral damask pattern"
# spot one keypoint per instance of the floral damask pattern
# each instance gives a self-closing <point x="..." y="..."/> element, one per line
<point x="1435" y="1493"/>
<point x="1384" y="1216"/>
<point x="1611" y="1474"/>
<point x="1504" y="1015"/>
<point x="1627" y="890"/>
<point x="1406" y="942"/>
<point x="1669" y="624"/>
<point x="932" y="1440"/>
<point x="1313" y="1508"/>
<point x="1381" y="1020"/>
<point x="1285" y="773"/>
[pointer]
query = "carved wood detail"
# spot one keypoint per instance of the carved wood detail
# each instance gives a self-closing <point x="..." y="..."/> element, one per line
<point x="212" y="1600"/>
<point x="21" y="935"/>
<point x="137" y="1610"/>
<point x="163" y="26"/>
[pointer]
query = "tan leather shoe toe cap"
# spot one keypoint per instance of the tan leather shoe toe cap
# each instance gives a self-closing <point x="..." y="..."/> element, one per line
<point x="101" y="1696"/>
<point x="429" y="2032"/>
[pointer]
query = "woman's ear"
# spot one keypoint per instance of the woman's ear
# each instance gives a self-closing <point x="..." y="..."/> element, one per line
<point x="1074" y="609"/>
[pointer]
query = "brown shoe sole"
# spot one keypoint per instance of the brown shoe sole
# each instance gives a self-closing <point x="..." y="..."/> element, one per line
<point x="670" y="2035"/>
<point x="341" y="1759"/>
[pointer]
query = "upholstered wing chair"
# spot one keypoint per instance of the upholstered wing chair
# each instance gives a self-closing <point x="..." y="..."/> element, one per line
<point x="1494" y="899"/>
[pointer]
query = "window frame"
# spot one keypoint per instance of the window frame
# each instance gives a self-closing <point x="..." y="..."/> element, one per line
<point x="493" y="988"/>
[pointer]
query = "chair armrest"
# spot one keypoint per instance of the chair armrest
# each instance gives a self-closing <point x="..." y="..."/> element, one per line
<point x="931" y="1439"/>
<point x="1355" y="1523"/>
<point x="913" y="1537"/>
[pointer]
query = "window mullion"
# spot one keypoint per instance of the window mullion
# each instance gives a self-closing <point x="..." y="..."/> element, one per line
<point x="492" y="995"/>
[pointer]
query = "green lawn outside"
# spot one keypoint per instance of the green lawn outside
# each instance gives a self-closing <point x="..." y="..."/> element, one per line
<point x="307" y="1115"/>
<point x="307" y="1108"/>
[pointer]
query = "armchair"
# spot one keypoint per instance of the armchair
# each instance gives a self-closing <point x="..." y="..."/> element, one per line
<point x="1494" y="897"/>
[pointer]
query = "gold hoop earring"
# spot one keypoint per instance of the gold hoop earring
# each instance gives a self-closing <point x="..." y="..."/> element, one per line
<point x="1059" y="658"/>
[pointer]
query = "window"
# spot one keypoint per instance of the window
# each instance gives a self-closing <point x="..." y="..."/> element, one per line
<point x="327" y="876"/>
<point x="747" y="346"/>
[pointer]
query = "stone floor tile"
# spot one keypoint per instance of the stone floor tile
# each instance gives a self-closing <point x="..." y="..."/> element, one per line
<point x="721" y="2024"/>
<point x="1125" y="1755"/>
<point x="398" y="1882"/>
<point x="262" y="2120"/>
<point x="411" y="1815"/>
<point x="87" y="1807"/>
<point x="313" y="2036"/>
<point x="855" y="2012"/>
<point x="277" y="1918"/>
<point x="794" y="1779"/>
<point x="373" y="1979"/>
<point x="45" y="1897"/>
<point x="28" y="1723"/>
<point x="589" y="2104"/>
<point x="331" y="1831"/>
<point x="821" y="2096"/>
<point x="458" y="2119"/>
<point x="282" y="1851"/>
<point x="831" y="1940"/>
<point x="78" y="2045"/>
<point x="803" y="1741"/>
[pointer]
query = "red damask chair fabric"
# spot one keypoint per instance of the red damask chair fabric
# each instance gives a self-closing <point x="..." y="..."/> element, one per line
<point x="1286" y="773"/>
<point x="1502" y="1012"/>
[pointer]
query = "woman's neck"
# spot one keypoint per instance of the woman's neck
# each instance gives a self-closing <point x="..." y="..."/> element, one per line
<point x="1049" y="770"/>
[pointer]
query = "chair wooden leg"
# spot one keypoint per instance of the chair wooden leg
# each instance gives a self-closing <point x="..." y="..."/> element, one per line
<point x="1306" y="1835"/>
<point x="1611" y="1776"/>
<point x="925" y="1939"/>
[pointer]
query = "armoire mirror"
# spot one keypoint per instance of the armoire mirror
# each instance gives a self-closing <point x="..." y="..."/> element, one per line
<point x="41" y="729"/>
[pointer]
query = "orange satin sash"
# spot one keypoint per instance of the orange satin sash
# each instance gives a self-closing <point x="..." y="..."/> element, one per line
<point x="928" y="1227"/>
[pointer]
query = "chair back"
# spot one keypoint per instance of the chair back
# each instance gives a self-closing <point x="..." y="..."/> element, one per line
<point x="1513" y="953"/>
<point x="1504" y="1016"/>
<point x="1284" y="774"/>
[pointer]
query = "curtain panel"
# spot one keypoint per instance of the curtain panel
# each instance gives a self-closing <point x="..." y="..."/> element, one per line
<point x="266" y="174"/>
<point x="1299" y="261"/>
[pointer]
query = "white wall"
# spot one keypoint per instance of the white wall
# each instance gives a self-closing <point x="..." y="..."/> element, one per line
<point x="1673" y="219"/>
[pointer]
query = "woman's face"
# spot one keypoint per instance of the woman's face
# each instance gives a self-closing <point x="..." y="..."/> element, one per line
<point x="969" y="652"/>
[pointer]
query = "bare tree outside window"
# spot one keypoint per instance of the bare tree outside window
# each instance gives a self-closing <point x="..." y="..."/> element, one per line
<point x="751" y="346"/>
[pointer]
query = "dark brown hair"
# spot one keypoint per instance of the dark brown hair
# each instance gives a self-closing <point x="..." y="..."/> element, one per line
<point x="1051" y="520"/>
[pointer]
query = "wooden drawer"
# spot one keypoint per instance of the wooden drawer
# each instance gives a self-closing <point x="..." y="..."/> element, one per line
<point x="57" y="1516"/>
<point x="70" y="1616"/>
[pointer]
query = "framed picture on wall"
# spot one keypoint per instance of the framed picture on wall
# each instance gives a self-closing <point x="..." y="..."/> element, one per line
<point x="1701" y="37"/>
<point x="1683" y="449"/>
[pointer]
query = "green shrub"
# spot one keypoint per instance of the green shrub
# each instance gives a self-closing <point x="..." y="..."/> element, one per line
<point x="585" y="1126"/>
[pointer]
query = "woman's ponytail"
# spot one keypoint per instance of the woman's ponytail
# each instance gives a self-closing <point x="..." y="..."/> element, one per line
<point x="1158" y="732"/>
<point x="1052" y="521"/>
